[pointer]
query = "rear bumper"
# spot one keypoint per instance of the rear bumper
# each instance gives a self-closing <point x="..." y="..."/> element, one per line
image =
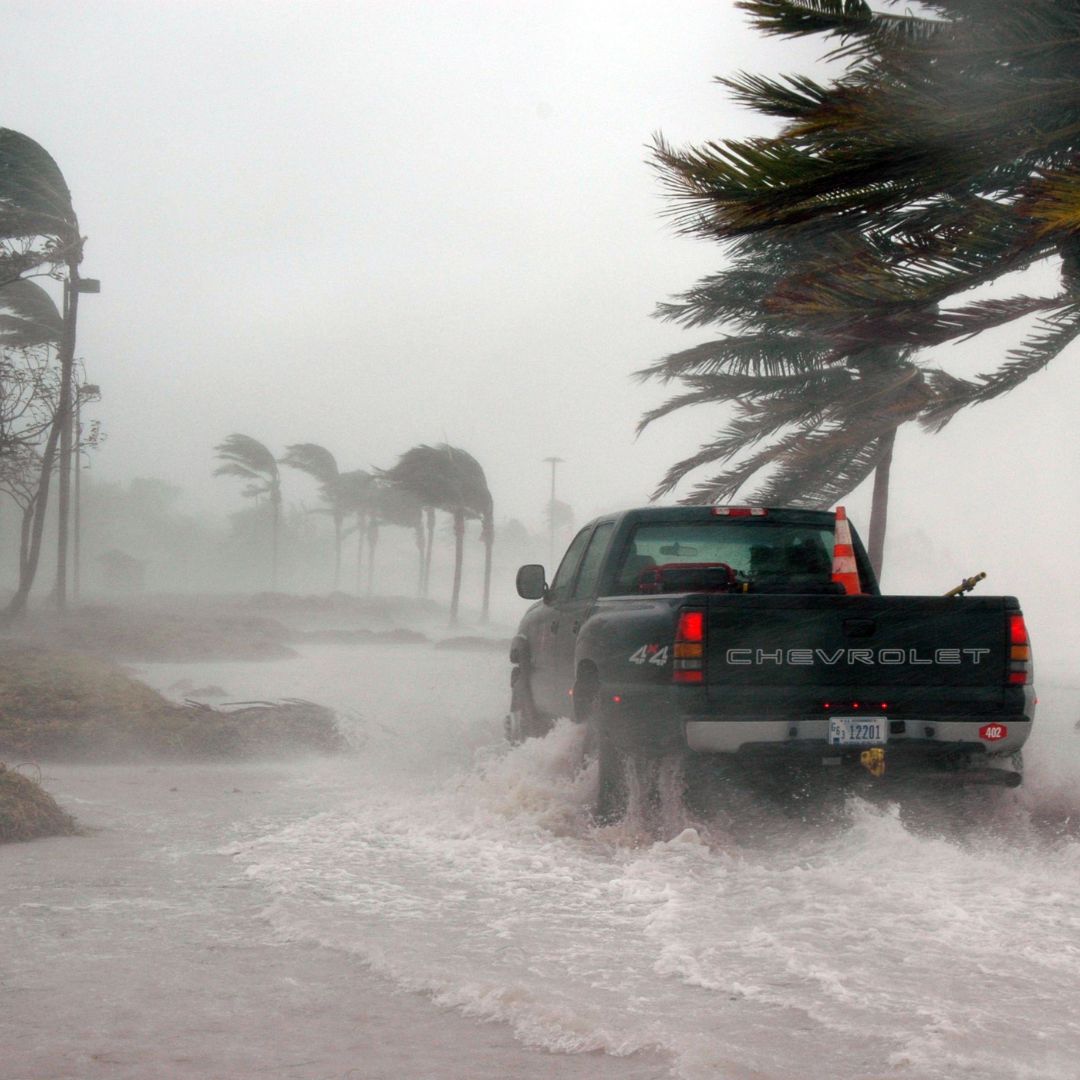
<point x="928" y="736"/>
<point x="920" y="734"/>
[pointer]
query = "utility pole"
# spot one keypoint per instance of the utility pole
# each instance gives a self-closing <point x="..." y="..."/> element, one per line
<point x="551" y="506"/>
<point x="73" y="286"/>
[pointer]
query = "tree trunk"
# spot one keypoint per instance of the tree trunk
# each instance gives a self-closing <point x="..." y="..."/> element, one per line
<point x="373" y="540"/>
<point x="24" y="537"/>
<point x="879" y="509"/>
<point x="361" y="537"/>
<point x="17" y="604"/>
<point x="275" y="526"/>
<point x="337" y="551"/>
<point x="430" y="515"/>
<point x="459" y="547"/>
<point x="489" y="541"/>
<point x="422" y="549"/>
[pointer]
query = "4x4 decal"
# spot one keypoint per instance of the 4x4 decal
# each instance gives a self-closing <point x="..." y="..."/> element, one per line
<point x="651" y="654"/>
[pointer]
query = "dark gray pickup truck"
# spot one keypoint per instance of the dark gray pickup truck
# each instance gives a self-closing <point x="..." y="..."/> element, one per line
<point x="724" y="631"/>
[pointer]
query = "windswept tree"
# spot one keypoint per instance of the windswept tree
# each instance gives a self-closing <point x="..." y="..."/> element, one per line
<point x="945" y="156"/>
<point x="391" y="504"/>
<point x="447" y="478"/>
<point x="38" y="227"/>
<point x="250" y="460"/>
<point x="20" y="476"/>
<point x="338" y="494"/>
<point x="30" y="328"/>
<point x="31" y="392"/>
<point x="356" y="493"/>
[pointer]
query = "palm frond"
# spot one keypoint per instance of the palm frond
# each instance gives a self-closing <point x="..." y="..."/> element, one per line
<point x="796" y="17"/>
<point x="824" y="467"/>
<point x="748" y="355"/>
<point x="1052" y="334"/>
<point x="444" y="477"/>
<point x="28" y="316"/>
<point x="315" y="460"/>
<point x="791" y="97"/>
<point x="34" y="197"/>
<point x="247" y="451"/>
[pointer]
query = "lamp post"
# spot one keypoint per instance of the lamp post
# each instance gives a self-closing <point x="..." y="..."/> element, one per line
<point x="86" y="392"/>
<point x="73" y="286"/>
<point x="551" y="505"/>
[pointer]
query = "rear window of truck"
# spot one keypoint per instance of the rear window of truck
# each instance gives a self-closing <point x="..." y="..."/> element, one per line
<point x="689" y="556"/>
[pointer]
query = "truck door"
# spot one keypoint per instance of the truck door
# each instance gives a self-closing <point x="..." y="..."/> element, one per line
<point x="575" y="609"/>
<point x="543" y="680"/>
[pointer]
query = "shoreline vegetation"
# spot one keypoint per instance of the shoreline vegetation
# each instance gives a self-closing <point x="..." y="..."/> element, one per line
<point x="64" y="697"/>
<point x="28" y="811"/>
<point x="69" y="707"/>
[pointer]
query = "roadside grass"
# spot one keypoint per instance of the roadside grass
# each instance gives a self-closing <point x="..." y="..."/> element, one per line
<point x="27" y="811"/>
<point x="63" y="706"/>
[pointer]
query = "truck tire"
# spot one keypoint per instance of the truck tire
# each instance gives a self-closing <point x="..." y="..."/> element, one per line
<point x="610" y="803"/>
<point x="524" y="720"/>
<point x="630" y="779"/>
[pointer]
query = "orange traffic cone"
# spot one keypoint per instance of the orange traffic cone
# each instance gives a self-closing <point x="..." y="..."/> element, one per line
<point x="844" y="569"/>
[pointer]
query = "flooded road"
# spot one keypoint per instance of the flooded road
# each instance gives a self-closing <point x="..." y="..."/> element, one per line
<point x="360" y="917"/>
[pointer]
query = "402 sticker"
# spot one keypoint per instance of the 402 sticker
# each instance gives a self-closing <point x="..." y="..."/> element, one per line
<point x="651" y="654"/>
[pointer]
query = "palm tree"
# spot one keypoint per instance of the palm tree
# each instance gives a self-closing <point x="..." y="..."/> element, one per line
<point x="356" y="493"/>
<point x="950" y="142"/>
<point x="38" y="226"/>
<point x="447" y="478"/>
<point x="252" y="461"/>
<point x="30" y="328"/>
<point x="339" y="496"/>
<point x="392" y="504"/>
<point x="944" y="157"/>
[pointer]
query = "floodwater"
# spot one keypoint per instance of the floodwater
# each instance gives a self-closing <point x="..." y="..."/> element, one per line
<point x="437" y="905"/>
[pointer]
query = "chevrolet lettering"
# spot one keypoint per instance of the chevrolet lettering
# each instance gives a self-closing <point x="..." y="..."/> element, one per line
<point x="808" y="657"/>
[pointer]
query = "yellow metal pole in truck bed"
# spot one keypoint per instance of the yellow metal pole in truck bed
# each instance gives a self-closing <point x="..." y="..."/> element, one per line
<point x="967" y="584"/>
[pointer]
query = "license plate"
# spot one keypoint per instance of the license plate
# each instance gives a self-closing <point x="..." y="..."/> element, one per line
<point x="858" y="730"/>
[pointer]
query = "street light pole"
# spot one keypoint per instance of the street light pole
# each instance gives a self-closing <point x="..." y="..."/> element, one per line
<point x="551" y="505"/>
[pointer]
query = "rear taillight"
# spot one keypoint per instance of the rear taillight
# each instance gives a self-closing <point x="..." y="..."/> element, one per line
<point x="739" y="511"/>
<point x="690" y="647"/>
<point x="1019" y="652"/>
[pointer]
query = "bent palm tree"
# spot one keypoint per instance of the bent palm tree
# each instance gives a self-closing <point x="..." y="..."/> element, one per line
<point x="338" y="495"/>
<point x="392" y="504"/>
<point x="950" y="143"/>
<point x="35" y="206"/>
<point x="356" y="493"/>
<point x="252" y="461"/>
<point x="447" y="478"/>
<point x="944" y="157"/>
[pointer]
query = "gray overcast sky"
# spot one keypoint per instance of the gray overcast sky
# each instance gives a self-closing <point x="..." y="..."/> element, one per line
<point x="373" y="224"/>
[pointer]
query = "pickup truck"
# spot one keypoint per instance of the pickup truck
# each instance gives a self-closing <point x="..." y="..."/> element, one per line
<point x="728" y="631"/>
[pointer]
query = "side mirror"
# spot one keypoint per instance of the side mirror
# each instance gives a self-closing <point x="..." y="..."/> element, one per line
<point x="530" y="582"/>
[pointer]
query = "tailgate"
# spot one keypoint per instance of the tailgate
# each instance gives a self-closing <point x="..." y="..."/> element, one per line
<point x="796" y="652"/>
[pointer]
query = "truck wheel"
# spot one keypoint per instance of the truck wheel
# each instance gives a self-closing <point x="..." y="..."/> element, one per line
<point x="611" y="792"/>
<point x="524" y="720"/>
